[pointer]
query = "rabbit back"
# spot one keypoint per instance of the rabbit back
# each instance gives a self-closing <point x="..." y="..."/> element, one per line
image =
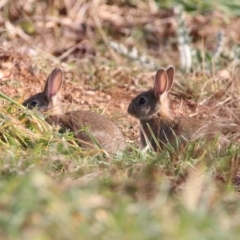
<point x="182" y="129"/>
<point x="91" y="129"/>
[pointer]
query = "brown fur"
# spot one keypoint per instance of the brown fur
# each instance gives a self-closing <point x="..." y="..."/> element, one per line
<point x="152" y="110"/>
<point x="91" y="129"/>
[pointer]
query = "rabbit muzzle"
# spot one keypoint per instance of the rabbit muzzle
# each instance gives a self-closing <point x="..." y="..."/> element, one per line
<point x="131" y="109"/>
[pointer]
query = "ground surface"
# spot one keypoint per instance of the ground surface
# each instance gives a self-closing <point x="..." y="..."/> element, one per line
<point x="44" y="186"/>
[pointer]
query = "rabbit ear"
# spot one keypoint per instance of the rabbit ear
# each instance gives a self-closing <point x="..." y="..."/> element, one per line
<point x="161" y="82"/>
<point x="170" y="74"/>
<point x="54" y="83"/>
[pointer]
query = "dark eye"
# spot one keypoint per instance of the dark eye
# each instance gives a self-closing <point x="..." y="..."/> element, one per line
<point x="34" y="104"/>
<point x="141" y="100"/>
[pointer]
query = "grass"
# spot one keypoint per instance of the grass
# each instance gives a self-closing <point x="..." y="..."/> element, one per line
<point x="203" y="6"/>
<point x="51" y="189"/>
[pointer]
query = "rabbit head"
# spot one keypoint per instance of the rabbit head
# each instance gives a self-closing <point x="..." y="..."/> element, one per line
<point x="48" y="101"/>
<point x="155" y="101"/>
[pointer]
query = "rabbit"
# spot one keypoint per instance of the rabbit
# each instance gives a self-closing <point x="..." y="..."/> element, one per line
<point x="89" y="128"/>
<point x="157" y="125"/>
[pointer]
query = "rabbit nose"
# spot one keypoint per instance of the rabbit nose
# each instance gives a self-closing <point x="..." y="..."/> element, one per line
<point x="129" y="108"/>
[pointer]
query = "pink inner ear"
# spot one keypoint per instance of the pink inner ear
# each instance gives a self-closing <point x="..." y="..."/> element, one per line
<point x="54" y="83"/>
<point x="161" y="82"/>
<point x="170" y="74"/>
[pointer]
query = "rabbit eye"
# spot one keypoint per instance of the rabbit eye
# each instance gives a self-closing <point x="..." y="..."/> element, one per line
<point x="141" y="100"/>
<point x="34" y="104"/>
